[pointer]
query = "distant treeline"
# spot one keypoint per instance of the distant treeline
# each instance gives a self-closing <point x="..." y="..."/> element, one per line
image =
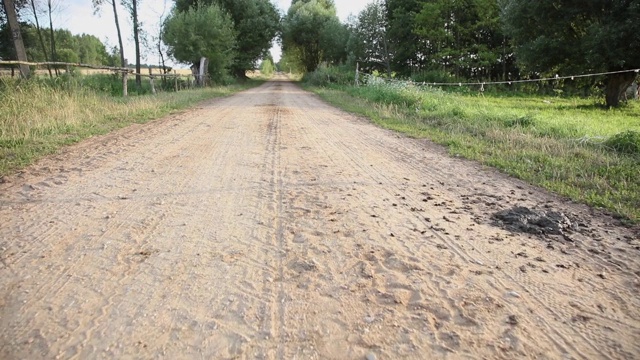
<point x="86" y="49"/>
<point x="477" y="40"/>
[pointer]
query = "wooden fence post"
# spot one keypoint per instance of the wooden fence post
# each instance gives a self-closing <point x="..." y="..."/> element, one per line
<point x="153" y="88"/>
<point x="175" y="79"/>
<point x="125" y="91"/>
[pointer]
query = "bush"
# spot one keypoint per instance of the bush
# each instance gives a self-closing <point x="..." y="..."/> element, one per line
<point x="627" y="142"/>
<point x="522" y="121"/>
<point x="324" y="76"/>
<point x="433" y="76"/>
<point x="266" y="68"/>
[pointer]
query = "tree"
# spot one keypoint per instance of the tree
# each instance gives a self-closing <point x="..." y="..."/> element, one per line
<point x="96" y="5"/>
<point x="40" y="37"/>
<point x="267" y="68"/>
<point x="52" y="38"/>
<point x="463" y="37"/>
<point x="16" y="35"/>
<point x="409" y="50"/>
<point x="308" y="26"/>
<point x="132" y="7"/>
<point x="203" y="31"/>
<point x="290" y="61"/>
<point x="256" y="23"/>
<point x="91" y="50"/>
<point x="571" y="36"/>
<point x="372" y="32"/>
<point x="333" y="41"/>
<point x="18" y="5"/>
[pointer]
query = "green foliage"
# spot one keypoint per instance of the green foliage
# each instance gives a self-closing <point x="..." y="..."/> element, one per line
<point x="406" y="45"/>
<point x="67" y="55"/>
<point x="256" y="23"/>
<point x="576" y="37"/>
<point x="86" y="49"/>
<point x="627" y="142"/>
<point x="371" y="33"/>
<point x="433" y="76"/>
<point x="312" y="31"/>
<point x="324" y="76"/>
<point x="203" y="31"/>
<point x="267" y="68"/>
<point x="527" y="120"/>
<point x="290" y="62"/>
<point x="6" y="41"/>
<point x="464" y="37"/>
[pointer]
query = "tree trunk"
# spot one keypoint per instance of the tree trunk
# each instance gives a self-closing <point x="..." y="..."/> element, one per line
<point x="240" y="74"/>
<point x="115" y="16"/>
<point x="136" y="40"/>
<point x="162" y="65"/>
<point x="14" y="25"/>
<point x="617" y="84"/>
<point x="387" y="55"/>
<point x="54" y="56"/>
<point x="44" y="48"/>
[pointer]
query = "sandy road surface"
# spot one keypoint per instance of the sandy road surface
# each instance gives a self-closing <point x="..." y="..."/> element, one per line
<point x="269" y="225"/>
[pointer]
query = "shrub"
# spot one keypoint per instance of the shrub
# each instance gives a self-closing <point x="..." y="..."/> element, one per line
<point x="266" y="68"/>
<point x="627" y="142"/>
<point x="324" y="76"/>
<point x="522" y="121"/>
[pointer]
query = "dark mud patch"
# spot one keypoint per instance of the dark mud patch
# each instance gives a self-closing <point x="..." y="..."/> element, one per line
<point x="538" y="222"/>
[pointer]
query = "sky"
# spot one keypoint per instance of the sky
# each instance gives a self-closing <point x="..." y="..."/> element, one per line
<point x="78" y="17"/>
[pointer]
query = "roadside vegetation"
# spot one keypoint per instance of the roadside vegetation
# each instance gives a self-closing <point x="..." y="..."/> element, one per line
<point x="569" y="145"/>
<point x="578" y="136"/>
<point x="38" y="116"/>
<point x="58" y="105"/>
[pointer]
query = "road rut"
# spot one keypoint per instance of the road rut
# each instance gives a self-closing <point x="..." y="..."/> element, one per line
<point x="269" y="225"/>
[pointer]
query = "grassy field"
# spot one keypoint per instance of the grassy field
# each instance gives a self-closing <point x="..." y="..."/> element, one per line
<point x="568" y="145"/>
<point x="37" y="118"/>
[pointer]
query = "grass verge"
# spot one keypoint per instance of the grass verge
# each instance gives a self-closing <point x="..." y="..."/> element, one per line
<point x="569" y="146"/>
<point x="37" y="119"/>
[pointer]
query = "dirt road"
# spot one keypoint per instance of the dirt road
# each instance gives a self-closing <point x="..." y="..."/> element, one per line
<point x="269" y="225"/>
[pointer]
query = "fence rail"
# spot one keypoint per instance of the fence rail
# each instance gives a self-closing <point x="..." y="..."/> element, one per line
<point x="126" y="72"/>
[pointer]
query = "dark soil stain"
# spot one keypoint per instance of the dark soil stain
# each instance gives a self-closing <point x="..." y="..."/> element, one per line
<point x="537" y="222"/>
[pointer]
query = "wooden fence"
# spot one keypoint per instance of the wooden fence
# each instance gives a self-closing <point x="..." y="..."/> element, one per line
<point x="192" y="80"/>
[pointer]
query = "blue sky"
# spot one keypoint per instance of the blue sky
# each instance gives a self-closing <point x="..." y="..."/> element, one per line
<point x="78" y="17"/>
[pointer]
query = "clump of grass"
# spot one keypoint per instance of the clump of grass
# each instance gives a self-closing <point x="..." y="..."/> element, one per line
<point x="531" y="137"/>
<point x="37" y="118"/>
<point x="627" y="142"/>
<point x="521" y="121"/>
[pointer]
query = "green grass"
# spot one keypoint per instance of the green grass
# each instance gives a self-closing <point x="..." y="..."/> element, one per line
<point x="37" y="118"/>
<point x="568" y="145"/>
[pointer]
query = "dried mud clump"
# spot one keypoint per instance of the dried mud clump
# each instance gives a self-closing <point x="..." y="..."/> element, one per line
<point x="525" y="220"/>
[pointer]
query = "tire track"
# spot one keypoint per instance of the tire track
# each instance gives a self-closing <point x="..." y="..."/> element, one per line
<point x="269" y="225"/>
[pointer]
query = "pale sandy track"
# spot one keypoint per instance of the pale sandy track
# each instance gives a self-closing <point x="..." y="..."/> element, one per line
<point x="269" y="225"/>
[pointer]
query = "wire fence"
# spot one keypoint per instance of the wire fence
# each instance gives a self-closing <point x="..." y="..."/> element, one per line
<point x="482" y="84"/>
<point x="191" y="80"/>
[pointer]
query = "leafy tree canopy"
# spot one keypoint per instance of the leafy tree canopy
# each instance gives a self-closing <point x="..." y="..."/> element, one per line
<point x="370" y="38"/>
<point x="86" y="49"/>
<point x="313" y="31"/>
<point x="577" y="37"/>
<point x="256" y="23"/>
<point x="203" y="31"/>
